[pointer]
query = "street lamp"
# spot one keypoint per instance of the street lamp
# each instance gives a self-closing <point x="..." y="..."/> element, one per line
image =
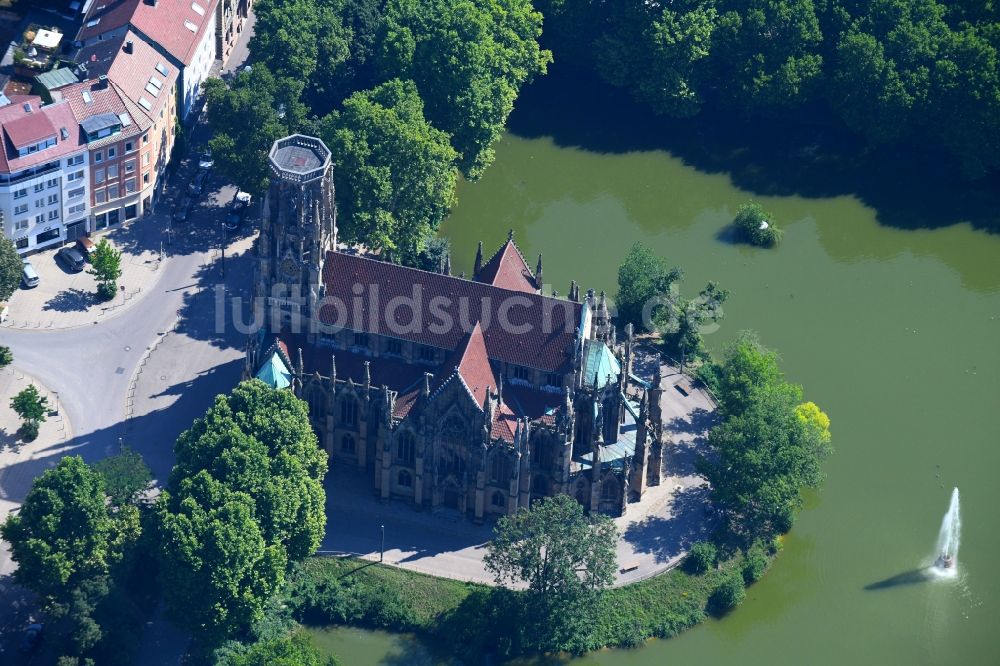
<point x="381" y="548"/>
<point x="223" y="248"/>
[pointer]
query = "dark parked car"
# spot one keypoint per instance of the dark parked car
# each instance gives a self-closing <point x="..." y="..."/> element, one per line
<point x="183" y="210"/>
<point x="198" y="184"/>
<point x="32" y="637"/>
<point x="206" y="162"/>
<point x="237" y="210"/>
<point x="29" y="278"/>
<point x="72" y="258"/>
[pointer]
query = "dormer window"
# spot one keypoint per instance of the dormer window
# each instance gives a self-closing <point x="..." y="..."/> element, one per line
<point x="35" y="147"/>
<point x="100" y="126"/>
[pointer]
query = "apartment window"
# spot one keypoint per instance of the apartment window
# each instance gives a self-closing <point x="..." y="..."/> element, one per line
<point x="78" y="208"/>
<point x="73" y="161"/>
<point x="112" y="192"/>
<point x="78" y="192"/>
<point x="39" y="187"/>
<point x="112" y="171"/>
<point x="130" y="166"/>
<point x="112" y="152"/>
<point x="39" y="203"/>
<point x="21" y="243"/>
<point x="145" y="138"/>
<point x="101" y="221"/>
<point x="53" y="182"/>
<point x="40" y="219"/>
<point x="20" y="194"/>
<point x="54" y="214"/>
<point x="145" y="179"/>
<point x="98" y="157"/>
<point x="21" y="209"/>
<point x="99" y="176"/>
<point x="20" y="224"/>
<point x="129" y="146"/>
<point x="100" y="196"/>
<point x="145" y="159"/>
<point x="76" y="175"/>
<point x="53" y="198"/>
<point x="130" y="185"/>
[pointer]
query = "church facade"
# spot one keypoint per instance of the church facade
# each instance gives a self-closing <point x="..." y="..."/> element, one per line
<point x="477" y="394"/>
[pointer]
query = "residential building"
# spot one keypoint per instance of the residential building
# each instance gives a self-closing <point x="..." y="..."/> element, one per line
<point x="44" y="174"/>
<point x="183" y="31"/>
<point x="229" y="23"/>
<point x="479" y="395"/>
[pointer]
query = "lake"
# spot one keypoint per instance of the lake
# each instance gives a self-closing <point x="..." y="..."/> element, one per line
<point x="884" y="305"/>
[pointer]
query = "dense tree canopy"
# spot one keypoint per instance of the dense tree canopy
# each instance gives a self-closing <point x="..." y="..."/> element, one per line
<point x="645" y="284"/>
<point x="247" y="117"/>
<point x="396" y="175"/>
<point x="65" y="533"/>
<point x="924" y="71"/>
<point x="246" y="502"/>
<point x="469" y="61"/>
<point x="294" y="650"/>
<point x="768" y="447"/>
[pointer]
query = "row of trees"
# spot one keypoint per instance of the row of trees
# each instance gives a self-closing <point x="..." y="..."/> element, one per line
<point x="407" y="94"/>
<point x="245" y="502"/>
<point x="925" y="71"/>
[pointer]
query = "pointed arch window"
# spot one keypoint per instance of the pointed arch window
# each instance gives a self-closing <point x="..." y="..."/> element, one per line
<point x="498" y="499"/>
<point x="349" y="411"/>
<point x="406" y="447"/>
<point x="347" y="444"/>
<point x="405" y="479"/>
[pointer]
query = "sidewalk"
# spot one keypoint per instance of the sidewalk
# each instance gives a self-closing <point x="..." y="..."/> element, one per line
<point x="67" y="300"/>
<point x="21" y="462"/>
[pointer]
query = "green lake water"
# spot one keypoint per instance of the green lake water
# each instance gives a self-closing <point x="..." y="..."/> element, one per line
<point x="894" y="331"/>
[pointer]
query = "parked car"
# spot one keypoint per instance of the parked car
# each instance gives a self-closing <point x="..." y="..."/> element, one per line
<point x="183" y="210"/>
<point x="32" y="637"/>
<point x="206" y="161"/>
<point x="29" y="278"/>
<point x="72" y="258"/>
<point x="86" y="246"/>
<point x="197" y="185"/>
<point x="234" y="218"/>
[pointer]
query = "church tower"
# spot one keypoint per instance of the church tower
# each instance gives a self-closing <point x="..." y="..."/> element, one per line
<point x="298" y="226"/>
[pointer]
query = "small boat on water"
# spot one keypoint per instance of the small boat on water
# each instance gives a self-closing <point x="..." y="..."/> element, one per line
<point x="946" y="561"/>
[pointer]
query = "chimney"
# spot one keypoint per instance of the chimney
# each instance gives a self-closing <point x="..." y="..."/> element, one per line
<point x="102" y="82"/>
<point x="128" y="46"/>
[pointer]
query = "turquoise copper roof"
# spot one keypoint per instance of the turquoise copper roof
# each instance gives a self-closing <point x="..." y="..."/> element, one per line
<point x="274" y="373"/>
<point x="599" y="362"/>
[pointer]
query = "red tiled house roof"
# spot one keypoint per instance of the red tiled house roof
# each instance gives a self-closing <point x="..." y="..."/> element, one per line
<point x="539" y="330"/>
<point x="58" y="116"/>
<point x="471" y="363"/>
<point x="508" y="269"/>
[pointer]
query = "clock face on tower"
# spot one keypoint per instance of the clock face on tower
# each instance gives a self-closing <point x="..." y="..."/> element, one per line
<point x="289" y="268"/>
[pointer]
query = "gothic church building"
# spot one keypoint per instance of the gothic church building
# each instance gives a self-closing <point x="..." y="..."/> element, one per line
<point x="478" y="394"/>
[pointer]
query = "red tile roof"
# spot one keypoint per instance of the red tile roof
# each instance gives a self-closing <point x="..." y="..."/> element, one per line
<point x="109" y="15"/>
<point x="508" y="269"/>
<point x="471" y="362"/>
<point x="166" y="25"/>
<point x="59" y="115"/>
<point x="29" y="129"/>
<point x="525" y="329"/>
<point x="131" y="72"/>
<point x="504" y="424"/>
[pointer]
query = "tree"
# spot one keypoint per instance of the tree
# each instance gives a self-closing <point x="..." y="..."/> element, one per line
<point x="32" y="407"/>
<point x="396" y="176"/>
<point x="6" y="356"/>
<point x="247" y="117"/>
<point x="246" y="502"/>
<point x="701" y="557"/>
<point x="10" y="268"/>
<point x="768" y="448"/>
<point x="683" y="322"/>
<point x="645" y="286"/>
<point x="564" y="556"/>
<point x="293" y="650"/>
<point x="755" y="225"/>
<point x="125" y="475"/>
<point x="217" y="570"/>
<point x="728" y="594"/>
<point x="469" y="61"/>
<point x="106" y="267"/>
<point x="64" y="533"/>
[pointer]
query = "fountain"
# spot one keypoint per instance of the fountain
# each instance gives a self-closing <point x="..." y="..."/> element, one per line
<point x="949" y="539"/>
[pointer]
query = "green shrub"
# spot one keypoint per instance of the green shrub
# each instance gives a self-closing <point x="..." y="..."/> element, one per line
<point x="756" y="226"/>
<point x="729" y="594"/>
<point x="29" y="431"/>
<point x="701" y="557"/>
<point x="6" y="356"/>
<point x="754" y="564"/>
